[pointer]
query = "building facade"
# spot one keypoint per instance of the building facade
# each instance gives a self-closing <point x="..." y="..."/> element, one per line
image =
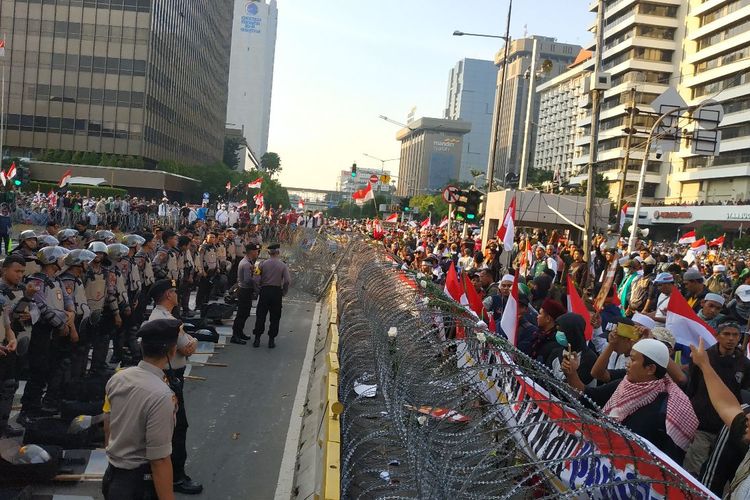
<point x="431" y="150"/>
<point x="560" y="108"/>
<point x="554" y="57"/>
<point x="251" y="70"/>
<point x="471" y="98"/>
<point x="139" y="77"/>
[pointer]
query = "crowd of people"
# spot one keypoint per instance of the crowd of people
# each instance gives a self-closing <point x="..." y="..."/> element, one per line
<point x="68" y="294"/>
<point x="685" y="399"/>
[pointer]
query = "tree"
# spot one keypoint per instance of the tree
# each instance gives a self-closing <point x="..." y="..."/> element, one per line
<point x="232" y="145"/>
<point x="270" y="163"/>
<point x="708" y="231"/>
<point x="602" y="188"/>
<point x="426" y="204"/>
<point x="538" y="175"/>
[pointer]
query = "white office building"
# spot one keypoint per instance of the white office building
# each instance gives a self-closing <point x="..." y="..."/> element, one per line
<point x="471" y="98"/>
<point x="251" y="71"/>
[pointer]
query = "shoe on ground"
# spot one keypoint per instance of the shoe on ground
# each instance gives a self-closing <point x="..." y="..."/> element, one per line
<point x="256" y="342"/>
<point x="271" y="343"/>
<point x="245" y="337"/>
<point x="187" y="486"/>
<point x="236" y="340"/>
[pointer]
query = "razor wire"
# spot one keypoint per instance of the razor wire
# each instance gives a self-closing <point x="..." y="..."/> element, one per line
<point x="427" y="415"/>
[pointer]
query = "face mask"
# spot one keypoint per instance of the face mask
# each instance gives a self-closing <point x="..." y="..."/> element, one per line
<point x="561" y="339"/>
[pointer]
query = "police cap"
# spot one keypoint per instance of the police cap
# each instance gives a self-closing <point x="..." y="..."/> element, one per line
<point x="274" y="246"/>
<point x="160" y="331"/>
<point x="251" y="246"/>
<point x="160" y="287"/>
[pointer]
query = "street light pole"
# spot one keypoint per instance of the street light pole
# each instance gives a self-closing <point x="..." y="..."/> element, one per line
<point x="523" y="171"/>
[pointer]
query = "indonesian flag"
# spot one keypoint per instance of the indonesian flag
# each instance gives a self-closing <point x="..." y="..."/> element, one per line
<point x="229" y="185"/>
<point x="3" y="179"/>
<point x="686" y="326"/>
<point x="443" y="223"/>
<point x="258" y="199"/>
<point x="717" y="242"/>
<point x="525" y="260"/>
<point x="686" y="238"/>
<point x="377" y="230"/>
<point x="623" y="214"/>
<point x="509" y="319"/>
<point x="392" y="218"/>
<point x="242" y="204"/>
<point x="66" y="177"/>
<point x="576" y="305"/>
<point x="363" y="195"/>
<point x="475" y="303"/>
<point x="301" y="204"/>
<point x="508" y="229"/>
<point x="453" y="287"/>
<point x="52" y="198"/>
<point x="11" y="171"/>
<point x="255" y="184"/>
<point x="2" y="47"/>
<point x="699" y="246"/>
<point x="425" y="223"/>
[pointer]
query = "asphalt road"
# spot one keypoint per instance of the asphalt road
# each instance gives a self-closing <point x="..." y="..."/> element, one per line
<point x="239" y="416"/>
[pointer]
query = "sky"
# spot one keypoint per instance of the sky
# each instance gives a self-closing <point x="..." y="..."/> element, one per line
<point x="341" y="63"/>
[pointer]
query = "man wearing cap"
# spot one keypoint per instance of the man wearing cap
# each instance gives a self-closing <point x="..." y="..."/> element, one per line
<point x="733" y="368"/>
<point x="711" y="309"/>
<point x="247" y="292"/>
<point x="718" y="282"/>
<point x="665" y="283"/>
<point x="695" y="290"/>
<point x="648" y="402"/>
<point x="164" y="293"/>
<point x="495" y="304"/>
<point x="141" y="408"/>
<point x="545" y="338"/>
<point x="273" y="281"/>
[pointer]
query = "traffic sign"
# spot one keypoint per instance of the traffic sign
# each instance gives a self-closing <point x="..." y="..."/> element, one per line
<point x="450" y="194"/>
<point x="373" y="179"/>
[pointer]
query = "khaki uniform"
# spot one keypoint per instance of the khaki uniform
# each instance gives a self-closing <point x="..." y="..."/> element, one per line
<point x="145" y="268"/>
<point x="32" y="266"/>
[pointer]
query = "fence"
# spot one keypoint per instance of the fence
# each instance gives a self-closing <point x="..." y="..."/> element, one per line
<point x="435" y="407"/>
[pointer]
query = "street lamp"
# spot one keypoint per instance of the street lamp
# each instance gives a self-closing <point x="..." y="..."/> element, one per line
<point x="461" y="33"/>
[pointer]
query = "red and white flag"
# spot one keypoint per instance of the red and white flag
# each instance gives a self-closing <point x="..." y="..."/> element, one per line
<point x="301" y="204"/>
<point x="3" y="179"/>
<point x="242" y="204"/>
<point x="699" y="247"/>
<point x="453" y="287"/>
<point x="258" y="199"/>
<point x="509" y="319"/>
<point x="52" y="198"/>
<point x="392" y="218"/>
<point x="508" y="229"/>
<point x="475" y="303"/>
<point x="65" y="178"/>
<point x="623" y="214"/>
<point x="686" y="326"/>
<point x="525" y="260"/>
<point x="11" y="171"/>
<point x="2" y="47"/>
<point x="229" y="185"/>
<point x="256" y="184"/>
<point x="363" y="195"/>
<point x="576" y="305"/>
<point x="717" y="242"/>
<point x="443" y="223"/>
<point x="686" y="238"/>
<point x="377" y="230"/>
<point x="425" y="223"/>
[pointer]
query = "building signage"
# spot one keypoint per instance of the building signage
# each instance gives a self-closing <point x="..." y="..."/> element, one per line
<point x="444" y="145"/>
<point x="688" y="214"/>
<point x="738" y="216"/>
<point x="250" y="22"/>
<point x="672" y="215"/>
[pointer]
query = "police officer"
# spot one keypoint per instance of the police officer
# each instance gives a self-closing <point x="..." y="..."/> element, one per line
<point x="164" y="293"/>
<point x="49" y="335"/>
<point x="101" y="293"/>
<point x="248" y="290"/>
<point x="141" y="408"/>
<point x="208" y="269"/>
<point x="27" y="247"/>
<point x="72" y="279"/>
<point x="12" y="267"/>
<point x="117" y="252"/>
<point x="273" y="281"/>
<point x="165" y="261"/>
<point x="143" y="258"/>
<point x="187" y="271"/>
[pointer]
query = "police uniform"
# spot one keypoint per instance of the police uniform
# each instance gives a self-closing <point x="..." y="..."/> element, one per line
<point x="119" y="337"/>
<point x="248" y="290"/>
<point x="75" y="289"/>
<point x="209" y="261"/>
<point x="273" y="281"/>
<point x="32" y="266"/>
<point x="166" y="264"/>
<point x="187" y="271"/>
<point x="146" y="271"/>
<point x="142" y="411"/>
<point x="8" y="382"/>
<point x="101" y="293"/>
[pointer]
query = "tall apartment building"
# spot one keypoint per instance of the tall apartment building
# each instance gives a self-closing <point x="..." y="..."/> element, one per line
<point x="471" y="98"/>
<point x="251" y="70"/>
<point x="511" y="132"/>
<point x="560" y="108"/>
<point x="136" y="77"/>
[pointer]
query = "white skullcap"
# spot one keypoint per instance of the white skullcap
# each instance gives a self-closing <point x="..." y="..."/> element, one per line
<point x="508" y="277"/>
<point x="653" y="349"/>
<point x="643" y="320"/>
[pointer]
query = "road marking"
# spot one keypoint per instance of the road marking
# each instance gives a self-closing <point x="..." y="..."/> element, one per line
<point x="289" y="459"/>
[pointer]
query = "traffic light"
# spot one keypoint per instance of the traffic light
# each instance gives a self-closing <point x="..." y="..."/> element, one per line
<point x="354" y="170"/>
<point x="405" y="204"/>
<point x="468" y="205"/>
<point x="463" y="199"/>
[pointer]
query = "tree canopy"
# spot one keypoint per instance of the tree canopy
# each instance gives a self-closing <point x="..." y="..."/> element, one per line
<point x="270" y="163"/>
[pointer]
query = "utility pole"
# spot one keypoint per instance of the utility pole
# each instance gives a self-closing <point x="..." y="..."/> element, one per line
<point x="596" y="104"/>
<point x="498" y="106"/>
<point x="628" y="142"/>
<point x="523" y="171"/>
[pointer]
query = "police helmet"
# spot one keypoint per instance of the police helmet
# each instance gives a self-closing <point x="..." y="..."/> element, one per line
<point x="27" y="235"/>
<point x="117" y="251"/>
<point x="47" y="240"/>
<point x="98" y="247"/>
<point x="30" y="454"/>
<point x="50" y="255"/>
<point x="78" y="257"/>
<point x="104" y="235"/>
<point x="133" y="240"/>
<point x="66" y="234"/>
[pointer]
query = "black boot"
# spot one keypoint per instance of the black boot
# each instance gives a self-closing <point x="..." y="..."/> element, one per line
<point x="7" y="391"/>
<point x="237" y="340"/>
<point x="271" y="343"/>
<point x="256" y="342"/>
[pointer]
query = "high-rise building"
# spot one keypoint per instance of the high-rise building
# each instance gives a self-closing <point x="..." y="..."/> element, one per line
<point x="251" y="70"/>
<point x="471" y="98"/>
<point x="431" y="151"/>
<point x="138" y="77"/>
<point x="554" y="58"/>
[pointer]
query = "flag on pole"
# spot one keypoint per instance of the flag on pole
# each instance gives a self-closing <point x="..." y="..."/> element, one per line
<point x="242" y="204"/>
<point x="11" y="171"/>
<point x="363" y="195"/>
<point x="686" y="238"/>
<point x="52" y="198"/>
<point x="164" y="192"/>
<point x="443" y="223"/>
<point x="507" y="230"/>
<point x="698" y="247"/>
<point x="377" y="230"/>
<point x="301" y="204"/>
<point x="66" y="178"/>
<point x="686" y="326"/>
<point x="576" y="305"/>
<point x="509" y="319"/>
<point x="3" y="179"/>
<point x="425" y="223"/>
<point x="229" y="185"/>
<point x="258" y="199"/>
<point x="717" y="242"/>
<point x="392" y="218"/>
<point x="256" y="184"/>
<point x="623" y="214"/>
<point x="2" y="47"/>
<point x="475" y="303"/>
<point x="453" y="287"/>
